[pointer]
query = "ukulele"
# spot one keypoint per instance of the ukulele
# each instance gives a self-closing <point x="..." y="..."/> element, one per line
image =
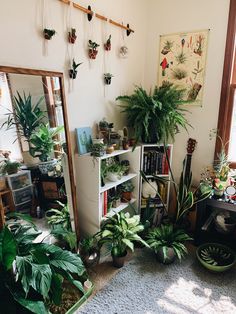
<point x="191" y="145"/>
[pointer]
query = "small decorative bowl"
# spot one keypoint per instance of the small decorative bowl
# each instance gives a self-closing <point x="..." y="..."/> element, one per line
<point x="216" y="257"/>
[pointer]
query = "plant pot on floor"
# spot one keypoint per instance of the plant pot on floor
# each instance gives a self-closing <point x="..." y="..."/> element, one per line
<point x="47" y="166"/>
<point x="170" y="256"/>
<point x="118" y="261"/>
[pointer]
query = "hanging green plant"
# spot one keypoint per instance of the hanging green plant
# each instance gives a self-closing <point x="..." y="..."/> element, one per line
<point x="92" y="49"/>
<point x="107" y="78"/>
<point x="48" y="33"/>
<point x="73" y="71"/>
<point x="107" y="45"/>
<point x="72" y="36"/>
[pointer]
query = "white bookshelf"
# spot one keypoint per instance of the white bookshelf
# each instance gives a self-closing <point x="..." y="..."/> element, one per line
<point x="149" y="147"/>
<point x="90" y="191"/>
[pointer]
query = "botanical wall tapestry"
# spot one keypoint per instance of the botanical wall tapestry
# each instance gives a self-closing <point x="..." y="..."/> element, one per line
<point x="183" y="63"/>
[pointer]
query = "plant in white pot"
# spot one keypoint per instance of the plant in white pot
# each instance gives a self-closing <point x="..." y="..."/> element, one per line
<point x="43" y="144"/>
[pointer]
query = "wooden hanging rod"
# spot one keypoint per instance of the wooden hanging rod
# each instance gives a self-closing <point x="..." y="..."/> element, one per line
<point x="101" y="17"/>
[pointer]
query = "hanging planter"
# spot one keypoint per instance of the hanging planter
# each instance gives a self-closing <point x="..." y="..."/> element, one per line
<point x="72" y="36"/>
<point x="73" y="71"/>
<point x="92" y="52"/>
<point x="124" y="52"/>
<point x="107" y="78"/>
<point x="107" y="45"/>
<point x="48" y="33"/>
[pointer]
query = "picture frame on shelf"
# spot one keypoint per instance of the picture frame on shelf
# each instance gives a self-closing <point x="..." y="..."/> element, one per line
<point x="84" y="139"/>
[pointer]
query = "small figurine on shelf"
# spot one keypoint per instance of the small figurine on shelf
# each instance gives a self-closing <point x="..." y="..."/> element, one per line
<point x="48" y="33"/>
<point x="107" y="78"/>
<point x="107" y="45"/>
<point x="92" y="49"/>
<point x="73" y="71"/>
<point x="125" y="143"/>
<point x="72" y="36"/>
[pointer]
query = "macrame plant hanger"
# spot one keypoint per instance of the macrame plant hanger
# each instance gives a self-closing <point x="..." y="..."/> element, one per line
<point x="90" y="33"/>
<point x="106" y="54"/>
<point x="45" y="24"/>
<point x="123" y="52"/>
<point x="70" y="46"/>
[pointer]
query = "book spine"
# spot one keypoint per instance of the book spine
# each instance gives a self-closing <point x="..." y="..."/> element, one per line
<point x="105" y="203"/>
<point x="166" y="167"/>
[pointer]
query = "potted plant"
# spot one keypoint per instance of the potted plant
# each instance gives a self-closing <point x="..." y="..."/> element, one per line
<point x="107" y="78"/>
<point x="40" y="268"/>
<point x="104" y="125"/>
<point x="97" y="150"/>
<point x="126" y="190"/>
<point x="43" y="143"/>
<point x="119" y="233"/>
<point x="72" y="36"/>
<point x="156" y="116"/>
<point x="168" y="243"/>
<point x="48" y="33"/>
<point x="9" y="167"/>
<point x="116" y="200"/>
<point x="92" y="52"/>
<point x="115" y="171"/>
<point x="89" y="251"/>
<point x="73" y="71"/>
<point x="107" y="45"/>
<point x="126" y="164"/>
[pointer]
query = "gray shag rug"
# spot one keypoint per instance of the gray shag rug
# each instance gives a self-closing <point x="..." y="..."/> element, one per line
<point x="145" y="286"/>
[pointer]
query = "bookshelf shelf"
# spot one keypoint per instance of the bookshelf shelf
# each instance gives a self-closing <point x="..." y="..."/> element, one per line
<point x="91" y="194"/>
<point x="116" y="210"/>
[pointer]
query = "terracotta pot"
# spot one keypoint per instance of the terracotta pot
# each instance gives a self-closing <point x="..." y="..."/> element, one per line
<point x="125" y="145"/>
<point x="72" y="39"/>
<point x="48" y="37"/>
<point x="170" y="256"/>
<point x="118" y="261"/>
<point x="126" y="197"/>
<point x="92" y="53"/>
<point x="107" y="47"/>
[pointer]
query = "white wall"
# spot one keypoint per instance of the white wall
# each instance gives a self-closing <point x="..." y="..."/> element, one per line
<point x="166" y="17"/>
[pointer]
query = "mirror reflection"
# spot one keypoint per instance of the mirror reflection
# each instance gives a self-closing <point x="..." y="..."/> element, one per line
<point x="33" y="148"/>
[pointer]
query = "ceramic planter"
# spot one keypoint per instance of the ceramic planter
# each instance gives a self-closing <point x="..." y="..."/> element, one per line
<point x="92" y="53"/>
<point x="91" y="258"/>
<point x="114" y="177"/>
<point x="98" y="153"/>
<point x="118" y="261"/>
<point x="116" y="203"/>
<point x="107" y="80"/>
<point x="47" y="166"/>
<point x="72" y="39"/>
<point x="170" y="256"/>
<point x="126" y="197"/>
<point x="125" y="144"/>
<point x="72" y="74"/>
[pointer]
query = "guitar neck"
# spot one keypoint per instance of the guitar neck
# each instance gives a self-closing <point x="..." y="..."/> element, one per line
<point x="188" y="165"/>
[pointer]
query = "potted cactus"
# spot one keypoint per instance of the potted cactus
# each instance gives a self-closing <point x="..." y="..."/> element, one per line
<point x="73" y="71"/>
<point x="72" y="36"/>
<point x="107" y="45"/>
<point x="92" y="52"/>
<point x="107" y="78"/>
<point x="48" y="33"/>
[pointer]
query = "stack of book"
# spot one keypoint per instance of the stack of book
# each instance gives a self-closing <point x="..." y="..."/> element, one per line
<point x="155" y="162"/>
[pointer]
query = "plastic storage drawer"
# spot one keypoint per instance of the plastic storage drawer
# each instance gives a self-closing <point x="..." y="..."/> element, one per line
<point x="19" y="180"/>
<point x="23" y="195"/>
<point x="24" y="207"/>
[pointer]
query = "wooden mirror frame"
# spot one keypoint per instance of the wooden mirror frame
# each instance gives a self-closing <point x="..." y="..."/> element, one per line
<point x="15" y="70"/>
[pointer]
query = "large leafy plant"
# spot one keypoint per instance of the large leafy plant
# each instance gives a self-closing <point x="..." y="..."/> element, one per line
<point x="43" y="141"/>
<point x="120" y="232"/>
<point x="25" y="115"/>
<point x="31" y="274"/>
<point x="164" y="237"/>
<point x="155" y="116"/>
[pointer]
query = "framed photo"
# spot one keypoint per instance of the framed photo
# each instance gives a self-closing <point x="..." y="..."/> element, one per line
<point x="182" y="62"/>
<point x="84" y="139"/>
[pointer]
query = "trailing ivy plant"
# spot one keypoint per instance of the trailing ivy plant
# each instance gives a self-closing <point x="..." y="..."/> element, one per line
<point x="31" y="274"/>
<point x="155" y="116"/>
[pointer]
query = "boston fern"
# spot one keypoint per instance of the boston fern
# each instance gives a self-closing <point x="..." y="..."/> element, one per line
<point x="31" y="274"/>
<point x="164" y="237"/>
<point x="155" y="116"/>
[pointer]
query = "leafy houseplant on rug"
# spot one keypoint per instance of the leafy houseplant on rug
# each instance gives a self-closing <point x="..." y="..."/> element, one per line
<point x="89" y="251"/>
<point x="119" y="232"/>
<point x="156" y="116"/>
<point x="92" y="49"/>
<point x="42" y="145"/>
<point x="167" y="243"/>
<point x="32" y="273"/>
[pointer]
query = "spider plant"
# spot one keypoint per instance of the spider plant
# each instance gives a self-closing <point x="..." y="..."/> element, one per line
<point x="25" y="115"/>
<point x="155" y="116"/>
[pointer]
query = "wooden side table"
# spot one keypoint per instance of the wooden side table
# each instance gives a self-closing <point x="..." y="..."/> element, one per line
<point x="6" y="204"/>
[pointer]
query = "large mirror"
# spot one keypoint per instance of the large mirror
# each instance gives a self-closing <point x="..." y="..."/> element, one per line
<point x="35" y="149"/>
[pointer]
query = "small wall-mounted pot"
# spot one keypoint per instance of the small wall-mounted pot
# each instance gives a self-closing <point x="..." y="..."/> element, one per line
<point x="107" y="80"/>
<point x="107" y="47"/>
<point x="48" y="33"/>
<point x="72" y="36"/>
<point x="92" y="53"/>
<point x="72" y="74"/>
